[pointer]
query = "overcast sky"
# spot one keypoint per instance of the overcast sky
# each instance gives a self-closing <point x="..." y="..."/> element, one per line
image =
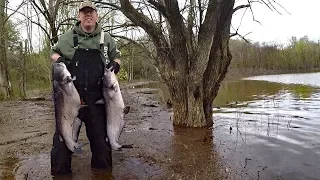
<point x="302" y="20"/>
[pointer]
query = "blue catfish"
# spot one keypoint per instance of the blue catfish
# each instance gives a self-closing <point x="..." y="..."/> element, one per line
<point x="67" y="104"/>
<point x="115" y="109"/>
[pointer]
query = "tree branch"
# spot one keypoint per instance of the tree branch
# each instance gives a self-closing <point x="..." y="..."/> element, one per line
<point x="44" y="29"/>
<point x="145" y="23"/>
<point x="14" y="11"/>
<point x="35" y="5"/>
<point x="242" y="37"/>
<point x="206" y="29"/>
<point x="200" y="12"/>
<point x="62" y="22"/>
<point x="178" y="33"/>
<point x="241" y="7"/>
<point x="45" y="9"/>
<point x="160" y="7"/>
<point x="136" y="43"/>
<point x="124" y="25"/>
<point x="108" y="4"/>
<point x="253" y="17"/>
<point x="56" y="8"/>
<point x="191" y="23"/>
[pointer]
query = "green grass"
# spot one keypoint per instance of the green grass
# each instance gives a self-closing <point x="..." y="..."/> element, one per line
<point x="302" y="90"/>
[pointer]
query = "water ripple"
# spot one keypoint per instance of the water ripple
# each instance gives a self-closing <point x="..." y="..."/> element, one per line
<point x="279" y="131"/>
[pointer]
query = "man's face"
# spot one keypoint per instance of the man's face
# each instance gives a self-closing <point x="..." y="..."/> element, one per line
<point x="88" y="16"/>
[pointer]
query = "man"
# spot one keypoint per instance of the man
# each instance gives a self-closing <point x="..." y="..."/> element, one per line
<point x="83" y="50"/>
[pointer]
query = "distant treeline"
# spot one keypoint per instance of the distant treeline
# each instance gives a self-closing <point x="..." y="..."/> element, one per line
<point x="299" y="54"/>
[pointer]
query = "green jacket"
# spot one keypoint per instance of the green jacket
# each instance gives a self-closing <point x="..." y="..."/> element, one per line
<point x="65" y="48"/>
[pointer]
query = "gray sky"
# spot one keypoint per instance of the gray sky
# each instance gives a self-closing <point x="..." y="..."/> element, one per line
<point x="302" y="20"/>
<point x="274" y="27"/>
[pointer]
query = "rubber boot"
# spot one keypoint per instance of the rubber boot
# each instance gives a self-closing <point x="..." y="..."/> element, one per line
<point x="60" y="157"/>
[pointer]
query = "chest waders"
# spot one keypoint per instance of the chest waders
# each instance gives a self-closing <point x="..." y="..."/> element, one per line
<point x="88" y="67"/>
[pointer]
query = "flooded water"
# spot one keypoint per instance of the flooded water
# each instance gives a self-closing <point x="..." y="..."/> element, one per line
<point x="269" y="125"/>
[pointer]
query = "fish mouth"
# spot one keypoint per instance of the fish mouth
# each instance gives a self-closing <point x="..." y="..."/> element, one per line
<point x="60" y="64"/>
<point x="109" y="86"/>
<point x="108" y="69"/>
<point x="67" y="80"/>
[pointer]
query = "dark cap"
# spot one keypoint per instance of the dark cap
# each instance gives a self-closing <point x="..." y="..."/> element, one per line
<point x="87" y="4"/>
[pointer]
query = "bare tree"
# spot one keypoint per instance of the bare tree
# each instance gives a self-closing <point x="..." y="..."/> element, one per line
<point x="4" y="80"/>
<point x="49" y="9"/>
<point x="5" y="85"/>
<point x="192" y="50"/>
<point x="192" y="65"/>
<point x="190" y="46"/>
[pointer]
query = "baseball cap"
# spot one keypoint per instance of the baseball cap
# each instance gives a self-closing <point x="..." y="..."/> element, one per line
<point x="87" y="4"/>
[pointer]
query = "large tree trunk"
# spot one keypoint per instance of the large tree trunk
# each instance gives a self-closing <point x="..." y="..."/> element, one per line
<point x="192" y="105"/>
<point x="4" y="74"/>
<point x="219" y="58"/>
<point x="187" y="104"/>
<point x="193" y="66"/>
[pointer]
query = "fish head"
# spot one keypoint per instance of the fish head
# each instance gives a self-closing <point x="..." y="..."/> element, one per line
<point x="110" y="81"/>
<point x="61" y="73"/>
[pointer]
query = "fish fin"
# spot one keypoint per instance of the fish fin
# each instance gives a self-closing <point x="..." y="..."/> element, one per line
<point x="78" y="148"/>
<point x="60" y="138"/>
<point x="126" y="109"/>
<point x="115" y="146"/>
<point x="77" y="151"/>
<point x="127" y="146"/>
<point x="107" y="140"/>
<point x="74" y="78"/>
<point x="76" y="125"/>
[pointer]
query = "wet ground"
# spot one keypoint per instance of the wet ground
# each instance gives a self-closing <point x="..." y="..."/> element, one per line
<point x="160" y="151"/>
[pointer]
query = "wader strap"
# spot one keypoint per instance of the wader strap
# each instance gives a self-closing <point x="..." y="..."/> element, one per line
<point x="75" y="39"/>
<point x="101" y="41"/>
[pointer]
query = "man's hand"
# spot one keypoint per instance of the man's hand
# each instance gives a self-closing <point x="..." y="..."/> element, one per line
<point x="61" y="59"/>
<point x="56" y="58"/>
<point x="113" y="65"/>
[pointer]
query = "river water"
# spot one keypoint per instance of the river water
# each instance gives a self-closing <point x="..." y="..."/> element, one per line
<point x="269" y="126"/>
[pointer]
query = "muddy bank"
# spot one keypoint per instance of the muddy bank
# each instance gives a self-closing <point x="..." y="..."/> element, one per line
<point x="160" y="151"/>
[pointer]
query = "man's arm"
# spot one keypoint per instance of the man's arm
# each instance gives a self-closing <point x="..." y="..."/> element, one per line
<point x="55" y="52"/>
<point x="113" y="53"/>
